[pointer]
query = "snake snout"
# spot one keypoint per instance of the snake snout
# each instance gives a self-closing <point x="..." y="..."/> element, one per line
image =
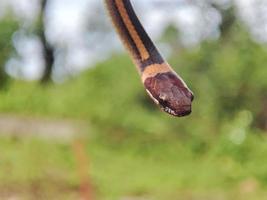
<point x="185" y="111"/>
<point x="181" y="105"/>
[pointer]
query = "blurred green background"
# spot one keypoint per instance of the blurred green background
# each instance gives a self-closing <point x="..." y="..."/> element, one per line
<point x="96" y="133"/>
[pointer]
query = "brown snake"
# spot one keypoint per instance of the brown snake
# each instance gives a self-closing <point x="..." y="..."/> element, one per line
<point x="162" y="83"/>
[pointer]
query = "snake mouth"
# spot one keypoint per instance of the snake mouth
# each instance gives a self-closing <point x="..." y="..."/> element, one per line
<point x="182" y="112"/>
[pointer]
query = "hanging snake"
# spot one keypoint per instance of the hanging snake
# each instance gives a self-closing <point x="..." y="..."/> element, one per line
<point x="162" y="83"/>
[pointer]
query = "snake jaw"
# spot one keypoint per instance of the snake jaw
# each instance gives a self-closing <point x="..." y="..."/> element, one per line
<point x="186" y="110"/>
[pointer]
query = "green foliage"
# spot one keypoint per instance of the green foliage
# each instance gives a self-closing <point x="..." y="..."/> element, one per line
<point x="8" y="27"/>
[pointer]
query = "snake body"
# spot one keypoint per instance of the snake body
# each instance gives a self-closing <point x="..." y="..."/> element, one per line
<point x="162" y="83"/>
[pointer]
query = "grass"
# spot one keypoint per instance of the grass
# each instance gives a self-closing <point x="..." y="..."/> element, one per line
<point x="36" y="169"/>
<point x="129" y="166"/>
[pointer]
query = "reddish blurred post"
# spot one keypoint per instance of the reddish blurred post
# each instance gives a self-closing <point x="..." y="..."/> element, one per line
<point x="86" y="187"/>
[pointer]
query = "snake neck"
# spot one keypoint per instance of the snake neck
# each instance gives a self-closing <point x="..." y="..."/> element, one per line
<point x="133" y="34"/>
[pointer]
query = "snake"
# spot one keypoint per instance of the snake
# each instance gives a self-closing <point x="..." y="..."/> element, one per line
<point x="165" y="87"/>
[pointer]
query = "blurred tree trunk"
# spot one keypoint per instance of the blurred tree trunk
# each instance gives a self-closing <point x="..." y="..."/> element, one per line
<point x="228" y="19"/>
<point x="48" y="50"/>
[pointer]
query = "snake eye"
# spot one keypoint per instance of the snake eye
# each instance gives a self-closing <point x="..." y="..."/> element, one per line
<point x="163" y="100"/>
<point x="163" y="97"/>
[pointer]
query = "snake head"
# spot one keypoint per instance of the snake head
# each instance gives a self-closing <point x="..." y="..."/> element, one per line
<point x="170" y="93"/>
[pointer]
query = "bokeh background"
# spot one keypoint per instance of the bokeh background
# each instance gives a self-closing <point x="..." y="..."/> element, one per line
<point x="76" y="123"/>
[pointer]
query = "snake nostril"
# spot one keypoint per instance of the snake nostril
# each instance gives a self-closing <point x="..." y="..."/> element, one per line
<point x="192" y="97"/>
